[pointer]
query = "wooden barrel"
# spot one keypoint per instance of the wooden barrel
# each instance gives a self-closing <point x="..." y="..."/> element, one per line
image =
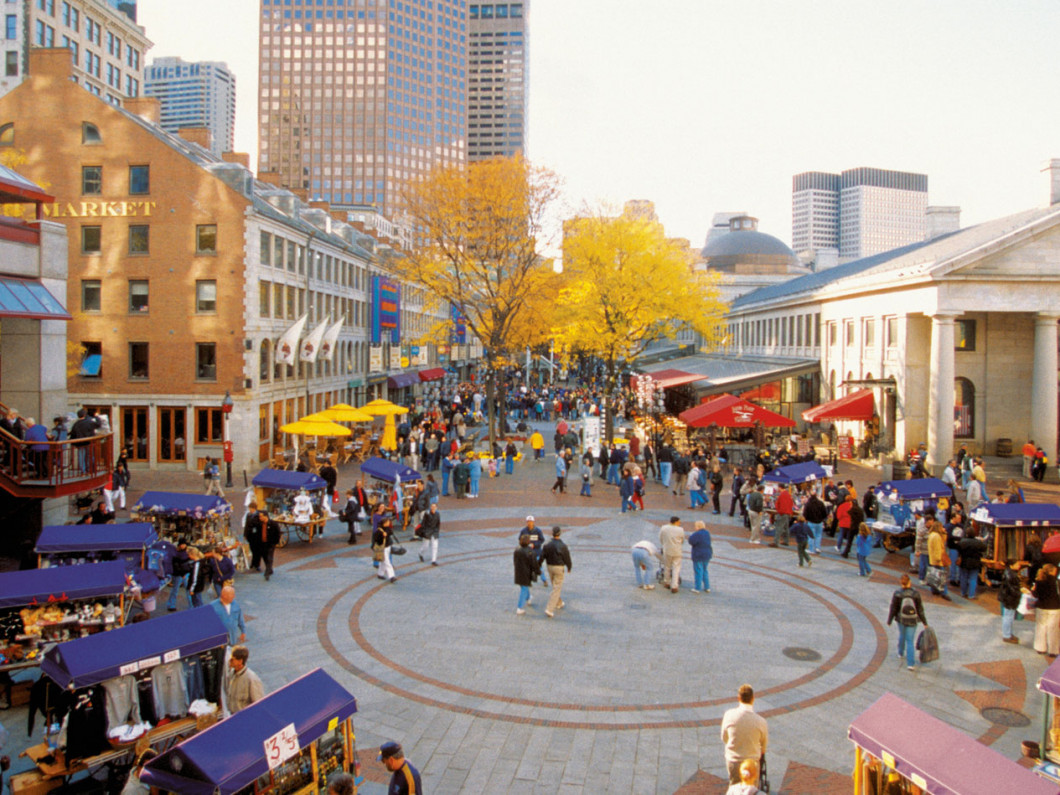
<point x="1004" y="448"/>
<point x="901" y="470"/>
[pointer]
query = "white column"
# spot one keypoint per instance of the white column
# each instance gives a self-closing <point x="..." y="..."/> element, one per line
<point x="1044" y="385"/>
<point x="940" y="394"/>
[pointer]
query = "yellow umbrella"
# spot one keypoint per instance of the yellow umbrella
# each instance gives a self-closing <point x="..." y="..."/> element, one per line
<point x="340" y="412"/>
<point x="384" y="408"/>
<point x="315" y="426"/>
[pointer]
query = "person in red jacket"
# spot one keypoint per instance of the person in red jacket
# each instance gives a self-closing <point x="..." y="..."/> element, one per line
<point x="784" y="506"/>
<point x="842" y="516"/>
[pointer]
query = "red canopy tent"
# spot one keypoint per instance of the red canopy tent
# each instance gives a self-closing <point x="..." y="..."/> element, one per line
<point x="858" y="405"/>
<point x="729" y="411"/>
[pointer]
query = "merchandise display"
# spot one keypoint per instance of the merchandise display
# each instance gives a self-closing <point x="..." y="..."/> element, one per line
<point x="202" y="520"/>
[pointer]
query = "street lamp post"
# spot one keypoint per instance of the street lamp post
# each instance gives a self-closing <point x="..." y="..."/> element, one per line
<point x="226" y="411"/>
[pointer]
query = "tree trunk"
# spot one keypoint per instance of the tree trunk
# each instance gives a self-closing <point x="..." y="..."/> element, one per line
<point x="491" y="414"/>
<point x="609" y="401"/>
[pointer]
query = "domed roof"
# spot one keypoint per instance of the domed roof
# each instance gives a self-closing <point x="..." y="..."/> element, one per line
<point x="743" y="249"/>
<point x="746" y="242"/>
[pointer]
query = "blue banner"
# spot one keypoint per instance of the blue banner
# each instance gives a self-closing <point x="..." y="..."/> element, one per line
<point x="386" y="311"/>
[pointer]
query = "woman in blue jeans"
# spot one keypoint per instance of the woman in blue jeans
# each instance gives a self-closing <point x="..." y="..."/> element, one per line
<point x="702" y="552"/>
<point x="908" y="609"/>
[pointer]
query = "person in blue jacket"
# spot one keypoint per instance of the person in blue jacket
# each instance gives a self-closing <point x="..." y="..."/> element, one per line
<point x="702" y="552"/>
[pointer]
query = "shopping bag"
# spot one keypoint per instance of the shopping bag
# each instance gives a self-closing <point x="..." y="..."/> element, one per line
<point x="1026" y="606"/>
<point x="928" y="645"/>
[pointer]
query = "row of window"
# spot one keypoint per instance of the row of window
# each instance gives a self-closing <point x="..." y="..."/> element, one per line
<point x="140" y="297"/>
<point x="283" y="254"/>
<point x="285" y="301"/>
<point x="139" y="239"/>
<point x="92" y="176"/>
<point x="139" y="361"/>
<point x="964" y="333"/>
<point x="795" y="331"/>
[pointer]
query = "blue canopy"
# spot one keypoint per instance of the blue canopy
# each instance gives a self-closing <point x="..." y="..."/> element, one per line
<point x="95" y="538"/>
<point x="169" y="503"/>
<point x="105" y="655"/>
<point x="1018" y="514"/>
<point x="282" y="479"/>
<point x="59" y="584"/>
<point x="917" y="489"/>
<point x="382" y="469"/>
<point x="796" y="473"/>
<point x="230" y="755"/>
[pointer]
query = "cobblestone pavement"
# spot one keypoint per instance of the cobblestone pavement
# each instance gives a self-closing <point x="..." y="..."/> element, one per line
<point x="623" y="691"/>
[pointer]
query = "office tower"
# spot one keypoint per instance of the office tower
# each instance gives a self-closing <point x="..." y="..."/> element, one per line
<point x="861" y="212"/>
<point x="195" y="95"/>
<point x="359" y="98"/>
<point x="498" y="79"/>
<point x="106" y="44"/>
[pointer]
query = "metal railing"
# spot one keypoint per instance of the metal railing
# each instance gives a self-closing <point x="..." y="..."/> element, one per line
<point x="50" y="465"/>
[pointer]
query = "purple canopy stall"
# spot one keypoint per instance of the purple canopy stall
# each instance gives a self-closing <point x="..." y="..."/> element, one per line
<point x="935" y="756"/>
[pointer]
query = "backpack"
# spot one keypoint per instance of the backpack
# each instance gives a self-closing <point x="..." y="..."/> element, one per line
<point x="907" y="607"/>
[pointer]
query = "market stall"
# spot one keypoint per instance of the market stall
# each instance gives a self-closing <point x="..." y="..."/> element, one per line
<point x="289" y="742"/>
<point x="39" y="607"/>
<point x="1007" y="526"/>
<point x="899" y="748"/>
<point x="898" y="500"/>
<point x="67" y="545"/>
<point x="856" y="406"/>
<point x="276" y="490"/>
<point x="795" y="474"/>
<point x="728" y="411"/>
<point x="390" y="479"/>
<point x="171" y="668"/>
<point x="202" y="520"/>
<point x="1048" y="751"/>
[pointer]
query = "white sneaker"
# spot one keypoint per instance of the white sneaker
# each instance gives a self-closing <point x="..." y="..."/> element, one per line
<point x="530" y="599"/>
<point x="519" y="611"/>
<point x="649" y="587"/>
<point x="694" y="591"/>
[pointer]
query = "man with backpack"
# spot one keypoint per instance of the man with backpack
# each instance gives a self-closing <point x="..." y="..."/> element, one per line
<point x="908" y="608"/>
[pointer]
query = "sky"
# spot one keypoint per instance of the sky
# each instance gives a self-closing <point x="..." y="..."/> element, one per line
<point x="704" y="106"/>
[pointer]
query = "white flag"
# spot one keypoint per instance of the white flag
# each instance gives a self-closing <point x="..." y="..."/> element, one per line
<point x="287" y="345"/>
<point x="331" y="336"/>
<point x="311" y="344"/>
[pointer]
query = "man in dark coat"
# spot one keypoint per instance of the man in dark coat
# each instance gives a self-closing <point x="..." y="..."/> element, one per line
<point x="526" y="570"/>
<point x="267" y="533"/>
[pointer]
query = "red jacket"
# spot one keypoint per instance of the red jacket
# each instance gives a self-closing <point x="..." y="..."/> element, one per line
<point x="785" y="505"/>
<point x="843" y="513"/>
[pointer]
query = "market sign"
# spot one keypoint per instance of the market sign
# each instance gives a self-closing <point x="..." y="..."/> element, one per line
<point x="386" y="311"/>
<point x="282" y="746"/>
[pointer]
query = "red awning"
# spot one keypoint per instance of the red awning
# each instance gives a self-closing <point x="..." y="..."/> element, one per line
<point x="729" y="411"/>
<point x="858" y="405"/>
<point x="433" y="374"/>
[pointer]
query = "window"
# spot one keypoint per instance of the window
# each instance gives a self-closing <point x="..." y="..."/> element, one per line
<point x="132" y="58"/>
<point x="7" y="134"/>
<point x="266" y="248"/>
<point x="138" y="361"/>
<point x="869" y="333"/>
<point x="206" y="239"/>
<point x="848" y="332"/>
<point x="91" y="180"/>
<point x="92" y="66"/>
<point x="206" y="296"/>
<point x="91" y="239"/>
<point x="91" y="360"/>
<point x="90" y="133"/>
<point x="139" y="180"/>
<point x="94" y="31"/>
<point x="832" y="334"/>
<point x="206" y="361"/>
<point x="10" y="64"/>
<point x="11" y="26"/>
<point x="265" y="361"/>
<point x="208" y="428"/>
<point x="91" y="295"/>
<point x="963" y="408"/>
<point x="264" y="301"/>
<point x="138" y="295"/>
<point x="964" y="335"/>
<point x="891" y="325"/>
<point x="139" y="239"/>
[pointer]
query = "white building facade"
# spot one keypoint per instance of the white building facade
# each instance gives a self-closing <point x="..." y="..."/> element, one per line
<point x="195" y="94"/>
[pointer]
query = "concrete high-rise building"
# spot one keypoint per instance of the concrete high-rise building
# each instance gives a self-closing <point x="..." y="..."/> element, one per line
<point x="362" y="97"/>
<point x="860" y="212"/>
<point x="105" y="43"/>
<point x="201" y="94"/>
<point x="498" y="79"/>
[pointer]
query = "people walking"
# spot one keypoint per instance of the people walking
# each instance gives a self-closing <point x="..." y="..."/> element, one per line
<point x="561" y="473"/>
<point x="557" y="559"/>
<point x="907" y="608"/>
<point x="702" y="552"/>
<point x="801" y="532"/>
<point x="1009" y="595"/>
<point x="1046" y="612"/>
<point x="671" y="540"/>
<point x="537" y="542"/>
<point x="526" y="569"/>
<point x="430" y="528"/>
<point x="755" y="505"/>
<point x="383" y="538"/>
<point x="864" y="549"/>
<point x="744" y="733"/>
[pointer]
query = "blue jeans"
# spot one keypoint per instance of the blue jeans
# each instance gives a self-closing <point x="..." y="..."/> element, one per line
<point x="524" y="596"/>
<point x="863" y="566"/>
<point x="665" y="469"/>
<point x="544" y="569"/>
<point x="922" y="564"/>
<point x="907" y="643"/>
<point x="509" y="465"/>
<point x="641" y="557"/>
<point x="955" y="572"/>
<point x="176" y="584"/>
<point x="445" y="482"/>
<point x="612" y="474"/>
<point x="697" y="498"/>
<point x="1008" y="615"/>
<point x="196" y="599"/>
<point x="627" y="504"/>
<point x="969" y="582"/>
<point x="699" y="568"/>
<point x="817" y="528"/>
<point x="474" y="485"/>
<point x="586" y="488"/>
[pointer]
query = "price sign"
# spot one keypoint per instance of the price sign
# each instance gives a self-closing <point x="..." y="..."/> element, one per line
<point x="171" y="656"/>
<point x="281" y="746"/>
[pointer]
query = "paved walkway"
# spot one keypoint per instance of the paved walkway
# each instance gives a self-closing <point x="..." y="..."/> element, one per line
<point x="624" y="690"/>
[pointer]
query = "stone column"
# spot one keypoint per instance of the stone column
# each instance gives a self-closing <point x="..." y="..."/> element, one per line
<point x="1044" y="386"/>
<point x="940" y="394"/>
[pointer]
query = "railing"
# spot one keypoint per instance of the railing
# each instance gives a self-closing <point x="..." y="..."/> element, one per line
<point x="71" y="464"/>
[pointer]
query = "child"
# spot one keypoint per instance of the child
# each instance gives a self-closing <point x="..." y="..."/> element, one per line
<point x="864" y="542"/>
<point x="748" y="779"/>
<point x="587" y="480"/>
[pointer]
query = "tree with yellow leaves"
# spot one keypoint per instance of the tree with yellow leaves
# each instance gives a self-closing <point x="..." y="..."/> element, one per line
<point x="481" y="227"/>
<point x="629" y="285"/>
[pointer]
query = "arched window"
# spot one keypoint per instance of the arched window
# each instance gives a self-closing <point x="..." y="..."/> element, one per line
<point x="7" y="134"/>
<point x="963" y="408"/>
<point x="266" y="357"/>
<point x="90" y="133"/>
<point x="277" y="367"/>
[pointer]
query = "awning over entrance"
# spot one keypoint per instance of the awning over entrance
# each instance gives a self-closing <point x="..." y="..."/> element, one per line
<point x="715" y="374"/>
<point x="858" y="405"/>
<point x="402" y="380"/>
<point x="28" y="298"/>
<point x="729" y="411"/>
<point x="432" y="374"/>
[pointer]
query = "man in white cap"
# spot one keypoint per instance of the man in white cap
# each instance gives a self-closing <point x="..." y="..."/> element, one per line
<point x="537" y="542"/>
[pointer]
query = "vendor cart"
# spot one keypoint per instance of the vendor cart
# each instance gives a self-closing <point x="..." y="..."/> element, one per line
<point x="202" y="520"/>
<point x="1007" y="526"/>
<point x="188" y="646"/>
<point x="66" y="545"/>
<point x="39" y="607"/>
<point x="389" y="477"/>
<point x="275" y="490"/>
<point x="900" y="748"/>
<point x="898" y="500"/>
<point x="286" y="744"/>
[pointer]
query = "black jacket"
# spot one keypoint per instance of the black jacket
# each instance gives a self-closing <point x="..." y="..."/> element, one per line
<point x="431" y="524"/>
<point x="971" y="551"/>
<point x="814" y="510"/>
<point x="555" y="553"/>
<point x="526" y="566"/>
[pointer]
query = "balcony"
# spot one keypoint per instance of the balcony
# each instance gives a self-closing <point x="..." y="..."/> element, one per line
<point x="59" y="470"/>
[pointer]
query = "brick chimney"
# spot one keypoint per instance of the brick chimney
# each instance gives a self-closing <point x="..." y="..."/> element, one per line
<point x="196" y="135"/>
<point x="237" y="157"/>
<point x="51" y="62"/>
<point x="270" y="177"/>
<point x="147" y="108"/>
